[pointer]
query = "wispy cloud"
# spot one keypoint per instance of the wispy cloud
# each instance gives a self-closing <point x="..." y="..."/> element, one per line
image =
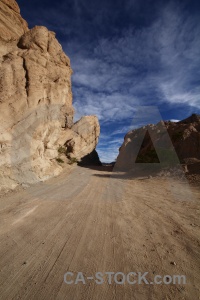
<point x="123" y="130"/>
<point x="149" y="65"/>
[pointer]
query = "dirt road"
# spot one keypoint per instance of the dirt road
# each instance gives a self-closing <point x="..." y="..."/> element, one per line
<point x="90" y="222"/>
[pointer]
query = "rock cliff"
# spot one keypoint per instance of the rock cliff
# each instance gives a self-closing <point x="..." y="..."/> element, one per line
<point x="36" y="112"/>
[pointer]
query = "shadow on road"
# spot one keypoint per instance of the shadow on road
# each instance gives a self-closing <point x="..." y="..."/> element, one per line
<point x="122" y="176"/>
<point x="104" y="168"/>
<point x="144" y="171"/>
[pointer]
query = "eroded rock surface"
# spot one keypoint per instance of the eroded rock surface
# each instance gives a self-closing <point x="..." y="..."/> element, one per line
<point x="85" y="134"/>
<point x="12" y="25"/>
<point x="36" y="112"/>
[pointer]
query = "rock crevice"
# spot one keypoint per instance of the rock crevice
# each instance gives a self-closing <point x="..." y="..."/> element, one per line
<point x="26" y="78"/>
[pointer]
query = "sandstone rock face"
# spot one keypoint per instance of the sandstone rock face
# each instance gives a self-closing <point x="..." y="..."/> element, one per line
<point x="85" y="137"/>
<point x="165" y="143"/>
<point x="36" y="112"/>
<point x="12" y="25"/>
<point x="82" y="137"/>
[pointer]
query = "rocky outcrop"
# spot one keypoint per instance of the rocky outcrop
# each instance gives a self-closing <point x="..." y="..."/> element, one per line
<point x="36" y="112"/>
<point x="81" y="139"/>
<point x="167" y="143"/>
<point x="85" y="137"/>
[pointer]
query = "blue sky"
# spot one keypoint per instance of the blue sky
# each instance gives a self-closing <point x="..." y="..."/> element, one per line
<point x="126" y="54"/>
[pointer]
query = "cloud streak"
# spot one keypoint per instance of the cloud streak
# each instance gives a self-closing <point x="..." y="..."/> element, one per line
<point x="154" y="65"/>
